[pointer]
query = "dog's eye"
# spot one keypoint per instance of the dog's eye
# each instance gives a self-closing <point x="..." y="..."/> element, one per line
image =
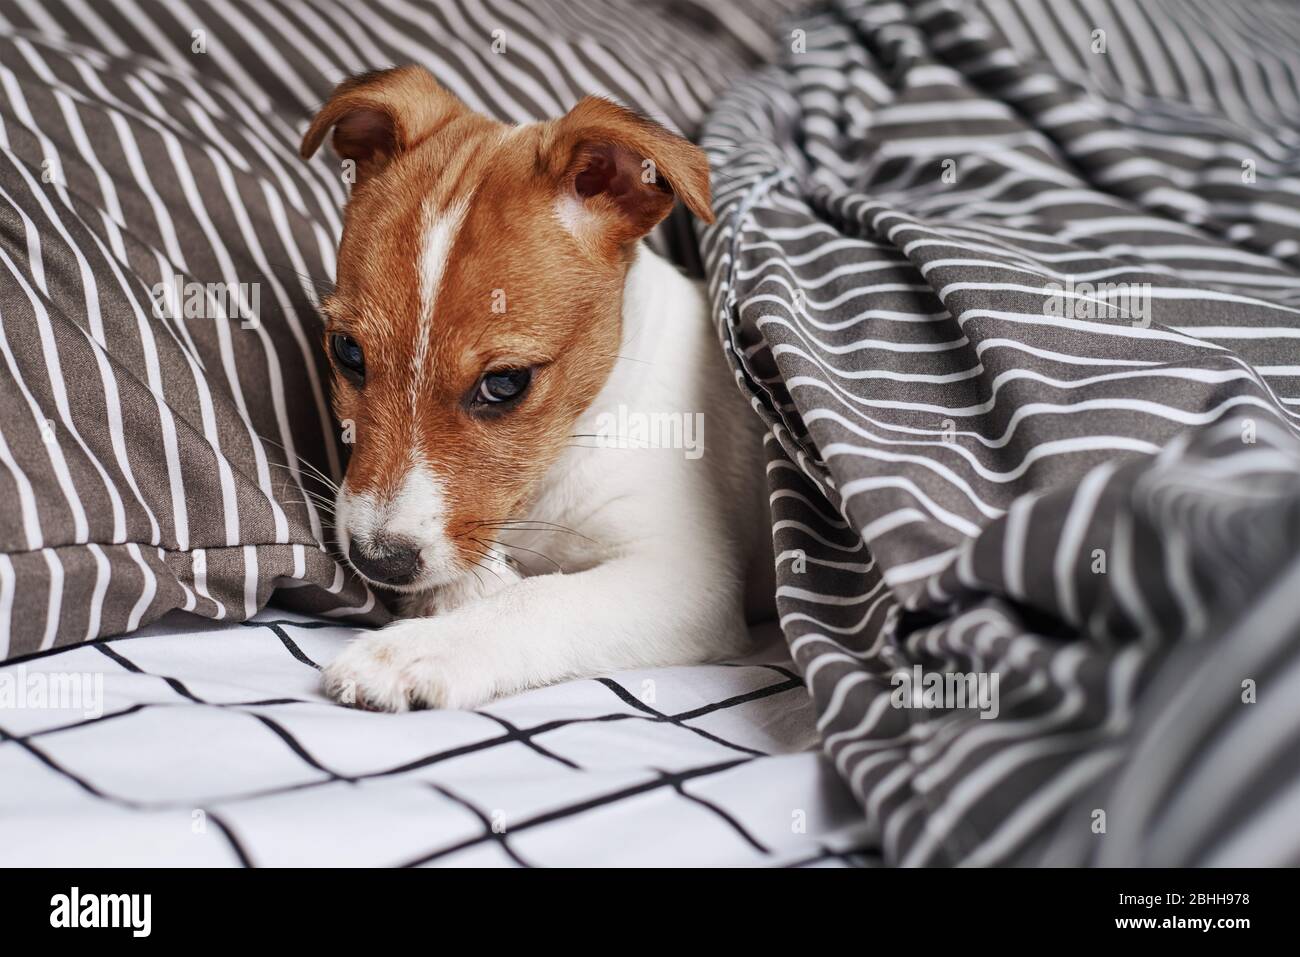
<point x="348" y="354"/>
<point x="509" y="385"/>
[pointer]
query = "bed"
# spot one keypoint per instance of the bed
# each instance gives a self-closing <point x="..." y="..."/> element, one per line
<point x="1013" y="286"/>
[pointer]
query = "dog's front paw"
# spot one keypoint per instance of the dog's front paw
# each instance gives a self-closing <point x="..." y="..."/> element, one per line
<point x="403" y="667"/>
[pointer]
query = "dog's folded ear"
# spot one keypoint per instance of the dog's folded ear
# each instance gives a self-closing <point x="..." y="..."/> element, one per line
<point x="620" y="172"/>
<point x="379" y="115"/>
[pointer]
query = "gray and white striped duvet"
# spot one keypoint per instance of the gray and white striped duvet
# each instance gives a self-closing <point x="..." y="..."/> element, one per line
<point x="977" y="468"/>
<point x="150" y="463"/>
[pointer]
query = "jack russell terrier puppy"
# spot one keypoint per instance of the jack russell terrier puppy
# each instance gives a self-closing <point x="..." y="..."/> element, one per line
<point x="509" y="352"/>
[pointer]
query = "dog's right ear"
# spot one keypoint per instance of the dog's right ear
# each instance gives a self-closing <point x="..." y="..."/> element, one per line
<point x="378" y="116"/>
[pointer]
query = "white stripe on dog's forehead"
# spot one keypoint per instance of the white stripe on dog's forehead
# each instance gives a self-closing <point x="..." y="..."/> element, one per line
<point x="439" y="229"/>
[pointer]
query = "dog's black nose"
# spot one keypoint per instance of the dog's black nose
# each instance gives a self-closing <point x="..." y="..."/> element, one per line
<point x="392" y="561"/>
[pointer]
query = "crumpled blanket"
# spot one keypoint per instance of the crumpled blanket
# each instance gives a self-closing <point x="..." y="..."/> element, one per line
<point x="1015" y="290"/>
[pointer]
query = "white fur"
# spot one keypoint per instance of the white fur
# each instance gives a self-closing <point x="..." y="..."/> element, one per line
<point x="440" y="230"/>
<point x="665" y="544"/>
<point x="573" y="215"/>
<point x="417" y="512"/>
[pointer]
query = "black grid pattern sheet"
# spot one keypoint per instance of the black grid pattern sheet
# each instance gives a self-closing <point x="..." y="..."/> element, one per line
<point x="194" y="743"/>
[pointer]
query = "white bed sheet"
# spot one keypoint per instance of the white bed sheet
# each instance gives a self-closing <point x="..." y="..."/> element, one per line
<point x="215" y="747"/>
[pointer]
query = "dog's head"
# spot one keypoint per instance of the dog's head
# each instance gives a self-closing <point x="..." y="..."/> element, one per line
<point x="476" y="312"/>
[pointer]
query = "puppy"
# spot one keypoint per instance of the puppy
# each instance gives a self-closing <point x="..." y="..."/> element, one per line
<point x="552" y="465"/>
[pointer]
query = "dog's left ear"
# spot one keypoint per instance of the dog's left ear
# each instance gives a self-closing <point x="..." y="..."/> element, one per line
<point x="380" y="115"/>
<point x="623" y="171"/>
